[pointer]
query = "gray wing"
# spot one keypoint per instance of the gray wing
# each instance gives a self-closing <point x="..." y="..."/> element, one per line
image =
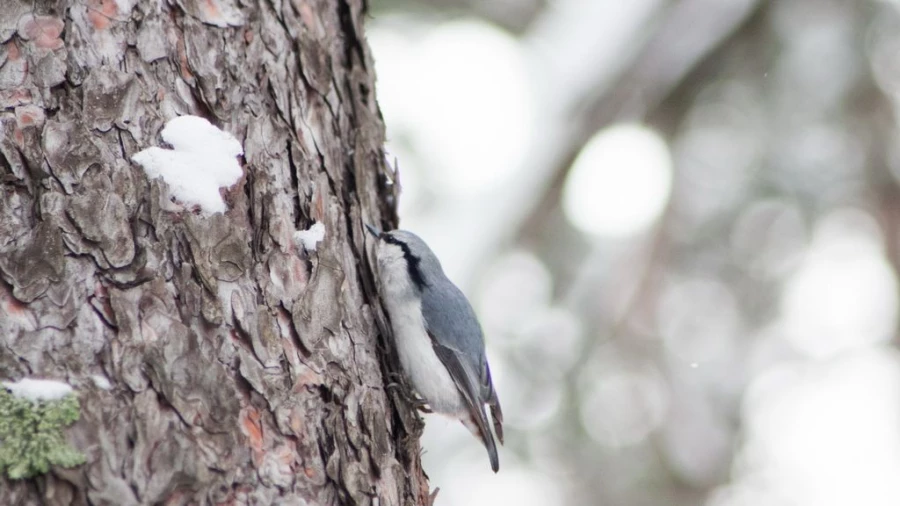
<point x="459" y="343"/>
<point x="458" y="367"/>
<point x="494" y="402"/>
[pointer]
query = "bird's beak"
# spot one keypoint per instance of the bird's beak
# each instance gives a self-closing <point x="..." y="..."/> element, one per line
<point x="372" y="230"/>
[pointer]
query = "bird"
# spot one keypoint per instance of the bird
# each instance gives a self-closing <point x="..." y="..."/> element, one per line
<point x="437" y="335"/>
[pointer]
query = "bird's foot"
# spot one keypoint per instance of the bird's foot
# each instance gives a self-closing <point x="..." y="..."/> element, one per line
<point x="409" y="396"/>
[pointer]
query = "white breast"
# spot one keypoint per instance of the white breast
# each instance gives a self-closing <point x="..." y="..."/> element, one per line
<point x="422" y="366"/>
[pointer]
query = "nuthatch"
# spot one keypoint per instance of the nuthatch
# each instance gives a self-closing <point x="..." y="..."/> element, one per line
<point x="438" y="338"/>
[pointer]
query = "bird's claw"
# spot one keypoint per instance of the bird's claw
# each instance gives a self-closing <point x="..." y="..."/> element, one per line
<point x="409" y="396"/>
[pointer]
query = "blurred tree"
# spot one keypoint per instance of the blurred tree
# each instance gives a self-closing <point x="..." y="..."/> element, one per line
<point x="781" y="121"/>
<point x="215" y="363"/>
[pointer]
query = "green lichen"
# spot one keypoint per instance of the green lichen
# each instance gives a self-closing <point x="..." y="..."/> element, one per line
<point x="31" y="437"/>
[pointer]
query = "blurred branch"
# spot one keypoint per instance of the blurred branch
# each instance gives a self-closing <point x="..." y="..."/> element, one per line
<point x="882" y="116"/>
<point x="581" y="100"/>
<point x="512" y="15"/>
<point x="690" y="31"/>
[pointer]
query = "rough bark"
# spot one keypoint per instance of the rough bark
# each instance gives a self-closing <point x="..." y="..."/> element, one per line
<point x="243" y="371"/>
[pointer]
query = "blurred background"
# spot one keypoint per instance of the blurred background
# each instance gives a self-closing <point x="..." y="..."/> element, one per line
<point x="678" y="222"/>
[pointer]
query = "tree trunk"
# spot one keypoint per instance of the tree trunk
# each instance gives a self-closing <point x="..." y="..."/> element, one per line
<point x="242" y="369"/>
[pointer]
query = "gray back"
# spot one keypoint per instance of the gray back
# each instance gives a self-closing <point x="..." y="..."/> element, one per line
<point x="448" y="314"/>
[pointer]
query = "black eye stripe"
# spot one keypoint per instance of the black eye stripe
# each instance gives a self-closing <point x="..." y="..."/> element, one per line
<point x="412" y="261"/>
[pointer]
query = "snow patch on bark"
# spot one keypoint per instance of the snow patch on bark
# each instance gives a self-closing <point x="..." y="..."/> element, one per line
<point x="311" y="237"/>
<point x="101" y="382"/>
<point x="202" y="160"/>
<point x="38" y="390"/>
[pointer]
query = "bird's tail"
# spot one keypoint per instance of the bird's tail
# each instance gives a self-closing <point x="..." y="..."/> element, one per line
<point x="478" y="425"/>
<point x="494" y="402"/>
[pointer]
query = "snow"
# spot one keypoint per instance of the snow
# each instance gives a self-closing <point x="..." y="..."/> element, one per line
<point x="309" y="238"/>
<point x="101" y="382"/>
<point x="38" y="390"/>
<point x="202" y="159"/>
<point x="124" y="7"/>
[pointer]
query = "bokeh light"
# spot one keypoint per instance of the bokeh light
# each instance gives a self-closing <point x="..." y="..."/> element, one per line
<point x="515" y="288"/>
<point x="844" y="295"/>
<point x="622" y="402"/>
<point x="458" y="92"/>
<point x="516" y="485"/>
<point x="699" y="319"/>
<point x="825" y="433"/>
<point x="769" y="238"/>
<point x="620" y="182"/>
